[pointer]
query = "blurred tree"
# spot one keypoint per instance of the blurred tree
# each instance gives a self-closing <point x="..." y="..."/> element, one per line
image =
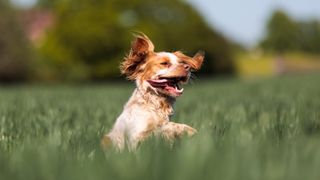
<point x="285" y="34"/>
<point x="90" y="38"/>
<point x="14" y="49"/>
<point x="46" y="3"/>
<point x="310" y="36"/>
<point x="282" y="33"/>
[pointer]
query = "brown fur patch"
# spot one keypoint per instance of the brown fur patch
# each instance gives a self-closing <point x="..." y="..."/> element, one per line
<point x="195" y="62"/>
<point x="140" y="49"/>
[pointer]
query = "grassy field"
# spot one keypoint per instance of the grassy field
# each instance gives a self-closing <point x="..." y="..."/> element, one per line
<point x="252" y="130"/>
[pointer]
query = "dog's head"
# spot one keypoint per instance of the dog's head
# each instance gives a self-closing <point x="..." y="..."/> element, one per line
<point x="162" y="72"/>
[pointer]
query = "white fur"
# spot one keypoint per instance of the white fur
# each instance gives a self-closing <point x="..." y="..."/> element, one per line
<point x="173" y="60"/>
<point x="134" y="120"/>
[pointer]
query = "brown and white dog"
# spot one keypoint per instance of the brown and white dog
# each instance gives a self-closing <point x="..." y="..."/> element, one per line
<point x="158" y="77"/>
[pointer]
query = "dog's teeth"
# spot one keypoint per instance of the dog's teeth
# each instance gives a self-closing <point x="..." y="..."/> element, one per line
<point x="177" y="85"/>
<point x="178" y="88"/>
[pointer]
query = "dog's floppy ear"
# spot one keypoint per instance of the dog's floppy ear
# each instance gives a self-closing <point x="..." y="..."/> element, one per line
<point x="197" y="60"/>
<point x="140" y="49"/>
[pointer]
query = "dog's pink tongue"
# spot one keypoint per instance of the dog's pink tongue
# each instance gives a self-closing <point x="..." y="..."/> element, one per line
<point x="166" y="85"/>
<point x="158" y="82"/>
<point x="173" y="90"/>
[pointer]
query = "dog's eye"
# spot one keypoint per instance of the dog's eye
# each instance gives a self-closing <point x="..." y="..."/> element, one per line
<point x="164" y="63"/>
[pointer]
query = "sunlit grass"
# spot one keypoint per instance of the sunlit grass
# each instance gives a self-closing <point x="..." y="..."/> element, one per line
<point x="247" y="130"/>
<point x="258" y="64"/>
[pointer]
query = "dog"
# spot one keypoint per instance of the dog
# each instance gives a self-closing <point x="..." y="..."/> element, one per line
<point x="158" y="77"/>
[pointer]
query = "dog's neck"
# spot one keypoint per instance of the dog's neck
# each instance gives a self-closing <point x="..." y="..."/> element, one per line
<point x="152" y="100"/>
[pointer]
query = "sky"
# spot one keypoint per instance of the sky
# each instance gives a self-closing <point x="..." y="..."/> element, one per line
<point x="243" y="21"/>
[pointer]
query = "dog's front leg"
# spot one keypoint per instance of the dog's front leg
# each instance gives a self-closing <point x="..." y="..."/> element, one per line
<point x="170" y="130"/>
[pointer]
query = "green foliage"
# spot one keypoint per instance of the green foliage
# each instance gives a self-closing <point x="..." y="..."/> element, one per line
<point x="310" y="36"/>
<point x="247" y="130"/>
<point x="285" y="34"/>
<point x="282" y="33"/>
<point x="46" y="3"/>
<point x="14" y="49"/>
<point x="90" y="38"/>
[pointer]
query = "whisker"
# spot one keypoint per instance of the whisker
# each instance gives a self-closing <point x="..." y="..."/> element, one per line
<point x="192" y="78"/>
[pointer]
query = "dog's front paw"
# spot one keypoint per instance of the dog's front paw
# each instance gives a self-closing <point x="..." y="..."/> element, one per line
<point x="190" y="131"/>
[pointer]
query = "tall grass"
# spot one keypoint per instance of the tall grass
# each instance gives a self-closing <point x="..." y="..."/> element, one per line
<point x="266" y="129"/>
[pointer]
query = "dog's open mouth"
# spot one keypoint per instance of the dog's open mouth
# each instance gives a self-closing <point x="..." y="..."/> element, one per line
<point x="172" y="85"/>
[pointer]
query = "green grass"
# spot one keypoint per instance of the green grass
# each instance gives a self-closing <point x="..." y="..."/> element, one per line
<point x="257" y="130"/>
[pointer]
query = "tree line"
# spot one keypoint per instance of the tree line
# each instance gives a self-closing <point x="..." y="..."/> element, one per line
<point x="285" y="34"/>
<point x="89" y="39"/>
